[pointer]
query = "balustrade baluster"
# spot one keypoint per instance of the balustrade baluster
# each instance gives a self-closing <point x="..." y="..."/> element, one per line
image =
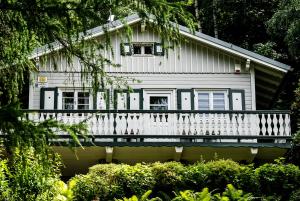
<point x="239" y="124"/>
<point x="186" y="124"/>
<point x="222" y="119"/>
<point x="234" y="124"/>
<point x="275" y="126"/>
<point x="269" y="124"/>
<point x="287" y="129"/>
<point x="197" y="124"/>
<point x="281" y="127"/>
<point x="192" y="124"/>
<point x="263" y="122"/>
<point x="180" y="124"/>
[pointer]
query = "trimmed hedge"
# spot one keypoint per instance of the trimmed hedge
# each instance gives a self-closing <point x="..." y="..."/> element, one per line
<point x="108" y="181"/>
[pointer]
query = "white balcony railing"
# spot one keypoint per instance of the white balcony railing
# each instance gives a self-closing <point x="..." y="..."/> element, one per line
<point x="174" y="123"/>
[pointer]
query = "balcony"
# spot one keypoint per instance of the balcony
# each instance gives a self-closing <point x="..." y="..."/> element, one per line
<point x="175" y="127"/>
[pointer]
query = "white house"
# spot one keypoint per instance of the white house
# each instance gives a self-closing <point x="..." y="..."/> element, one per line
<point x="198" y="101"/>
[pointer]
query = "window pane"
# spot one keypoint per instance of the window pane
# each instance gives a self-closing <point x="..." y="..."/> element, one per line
<point x="137" y="49"/>
<point x="68" y="100"/>
<point x="148" y="49"/>
<point x="83" y="101"/>
<point x="158" y="103"/>
<point x="218" y="101"/>
<point x="203" y="101"/>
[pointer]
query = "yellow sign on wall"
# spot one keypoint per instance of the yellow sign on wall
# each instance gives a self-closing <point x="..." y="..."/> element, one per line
<point x="42" y="79"/>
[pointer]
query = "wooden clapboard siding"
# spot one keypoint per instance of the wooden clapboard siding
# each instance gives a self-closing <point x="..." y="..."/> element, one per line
<point x="158" y="81"/>
<point x="190" y="57"/>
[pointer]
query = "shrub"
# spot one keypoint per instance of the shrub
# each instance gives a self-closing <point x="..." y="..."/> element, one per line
<point x="168" y="176"/>
<point x="246" y="179"/>
<point x="87" y="188"/>
<point x="196" y="176"/>
<point x="279" y="179"/>
<point x="221" y="173"/>
<point x="135" y="179"/>
<point x="269" y="181"/>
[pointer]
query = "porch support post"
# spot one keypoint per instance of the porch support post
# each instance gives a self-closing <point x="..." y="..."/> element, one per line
<point x="178" y="153"/>
<point x="109" y="153"/>
<point x="254" y="152"/>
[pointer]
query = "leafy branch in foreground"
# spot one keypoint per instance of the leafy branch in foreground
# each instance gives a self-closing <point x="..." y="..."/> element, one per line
<point x="19" y="132"/>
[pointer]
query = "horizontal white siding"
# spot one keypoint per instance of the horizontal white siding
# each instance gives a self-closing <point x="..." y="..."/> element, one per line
<point x="157" y="81"/>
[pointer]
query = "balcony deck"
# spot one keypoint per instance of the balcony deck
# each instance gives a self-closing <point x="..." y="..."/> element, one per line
<point x="175" y="127"/>
<point x="149" y="136"/>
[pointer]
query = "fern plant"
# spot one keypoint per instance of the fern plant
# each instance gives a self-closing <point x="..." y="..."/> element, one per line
<point x="144" y="197"/>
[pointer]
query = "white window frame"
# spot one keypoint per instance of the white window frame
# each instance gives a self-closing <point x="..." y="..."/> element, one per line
<point x="75" y="92"/>
<point x="143" y="49"/>
<point x="210" y="92"/>
<point x="160" y="93"/>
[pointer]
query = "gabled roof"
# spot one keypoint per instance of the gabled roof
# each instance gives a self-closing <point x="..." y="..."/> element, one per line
<point x="132" y="19"/>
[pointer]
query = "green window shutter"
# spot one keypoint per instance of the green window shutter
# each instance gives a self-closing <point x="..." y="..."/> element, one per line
<point x="179" y="97"/>
<point x="115" y="98"/>
<point x="243" y="102"/>
<point x="140" y="91"/>
<point x="158" y="49"/>
<point x="123" y="47"/>
<point x="106" y="96"/>
<point x="42" y="96"/>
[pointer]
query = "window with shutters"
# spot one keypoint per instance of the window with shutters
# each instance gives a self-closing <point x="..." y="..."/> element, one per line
<point x="142" y="49"/>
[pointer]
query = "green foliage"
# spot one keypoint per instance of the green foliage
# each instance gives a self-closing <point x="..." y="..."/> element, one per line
<point x="86" y="187"/>
<point x="278" y="179"/>
<point x="168" y="176"/>
<point x="28" y="178"/>
<point x="295" y="196"/>
<point x="267" y="49"/>
<point x="188" y="195"/>
<point x="196" y="175"/>
<point x="144" y="197"/>
<point x="109" y="181"/>
<point x="230" y="194"/>
<point x="4" y="183"/>
<point x="235" y="195"/>
<point x="285" y="25"/>
<point x="221" y="173"/>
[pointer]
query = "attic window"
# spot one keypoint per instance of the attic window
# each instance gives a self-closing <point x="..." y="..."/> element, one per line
<point x="142" y="49"/>
<point x="146" y="49"/>
<point x="137" y="49"/>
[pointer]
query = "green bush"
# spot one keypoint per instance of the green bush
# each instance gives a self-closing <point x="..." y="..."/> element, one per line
<point x="168" y="176"/>
<point x="86" y="187"/>
<point x="196" y="176"/>
<point x="221" y="173"/>
<point x="135" y="179"/>
<point x="246" y="179"/>
<point x="269" y="181"/>
<point x="278" y="179"/>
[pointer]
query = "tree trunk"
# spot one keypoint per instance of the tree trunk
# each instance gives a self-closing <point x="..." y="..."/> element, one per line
<point x="215" y="19"/>
<point x="196" y="6"/>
